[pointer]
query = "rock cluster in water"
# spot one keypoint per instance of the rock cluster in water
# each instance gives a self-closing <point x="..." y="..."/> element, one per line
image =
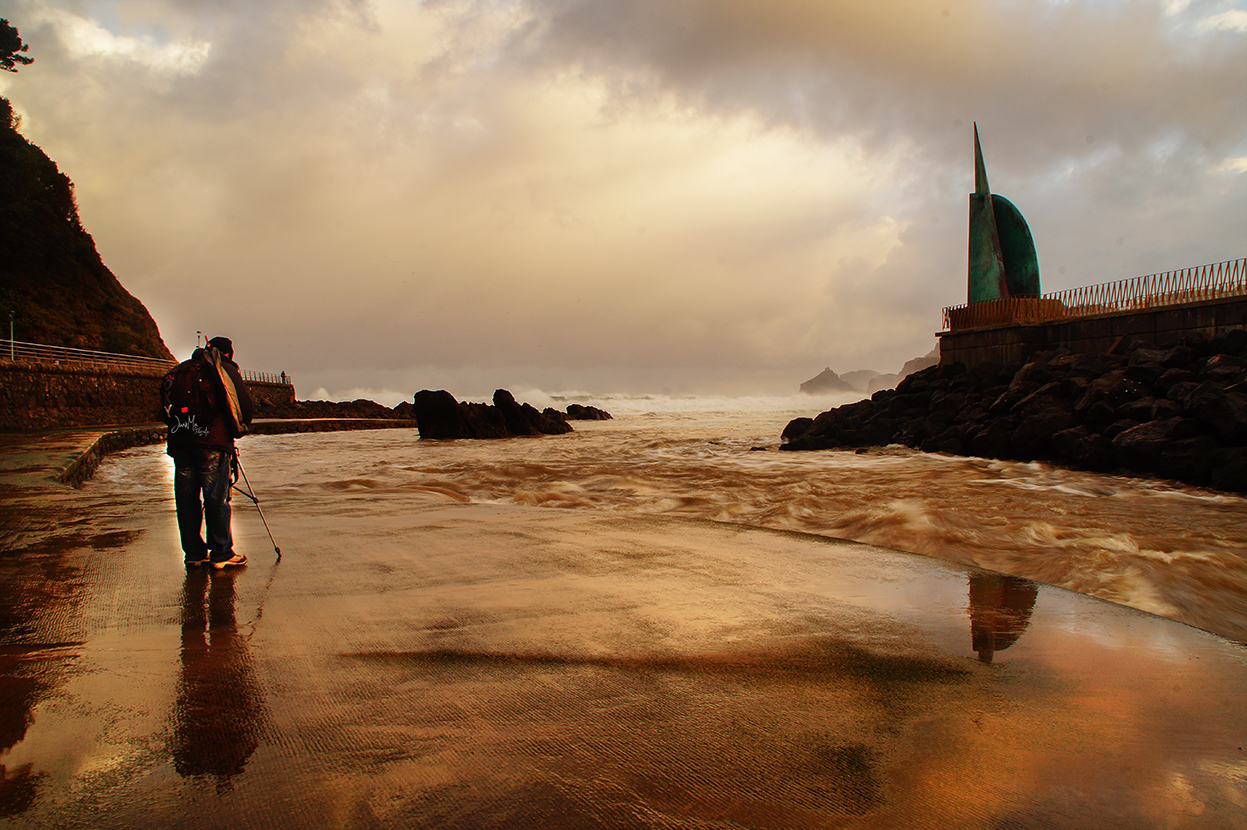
<point x="1178" y="412"/>
<point x="439" y="415"/>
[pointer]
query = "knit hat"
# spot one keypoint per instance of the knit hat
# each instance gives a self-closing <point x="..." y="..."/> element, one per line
<point x="222" y="345"/>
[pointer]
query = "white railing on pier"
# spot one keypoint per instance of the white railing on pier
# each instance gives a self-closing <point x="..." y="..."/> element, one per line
<point x="63" y="356"/>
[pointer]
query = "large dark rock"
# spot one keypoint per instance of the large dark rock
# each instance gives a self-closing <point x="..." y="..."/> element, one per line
<point x="1232" y="342"/>
<point x="1223" y="368"/>
<point x="797" y="427"/>
<point x="1179" y="411"/>
<point x="1033" y="436"/>
<point x="439" y="415"/>
<point x="1172" y="377"/>
<point x="1189" y="459"/>
<point x="581" y="412"/>
<point x="483" y="421"/>
<point x="1230" y="472"/>
<point x="1140" y="447"/>
<point x="1093" y="452"/>
<point x="513" y="415"/>
<point x="543" y="423"/>
<point x="1221" y="411"/>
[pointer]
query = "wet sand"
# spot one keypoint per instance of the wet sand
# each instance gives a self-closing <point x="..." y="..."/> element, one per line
<point x="448" y="665"/>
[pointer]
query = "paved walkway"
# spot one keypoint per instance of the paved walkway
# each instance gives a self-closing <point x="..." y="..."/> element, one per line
<point x="415" y="664"/>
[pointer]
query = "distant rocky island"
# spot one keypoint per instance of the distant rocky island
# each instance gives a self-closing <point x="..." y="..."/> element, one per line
<point x="866" y="381"/>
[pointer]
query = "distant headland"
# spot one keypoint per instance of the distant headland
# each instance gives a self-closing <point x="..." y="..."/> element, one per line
<point x="866" y="381"/>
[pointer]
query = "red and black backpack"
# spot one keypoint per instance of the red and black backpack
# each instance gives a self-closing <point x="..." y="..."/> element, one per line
<point x="188" y="396"/>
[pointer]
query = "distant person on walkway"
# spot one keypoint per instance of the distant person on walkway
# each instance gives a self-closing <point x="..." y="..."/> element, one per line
<point x="206" y="406"/>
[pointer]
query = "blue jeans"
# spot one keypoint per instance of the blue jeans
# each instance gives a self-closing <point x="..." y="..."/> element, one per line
<point x="203" y="472"/>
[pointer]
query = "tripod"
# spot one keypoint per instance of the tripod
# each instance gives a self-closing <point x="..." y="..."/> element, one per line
<point x="249" y="493"/>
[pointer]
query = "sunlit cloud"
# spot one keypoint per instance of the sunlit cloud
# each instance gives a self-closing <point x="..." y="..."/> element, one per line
<point x="1233" y="20"/>
<point x="631" y="194"/>
<point x="85" y="38"/>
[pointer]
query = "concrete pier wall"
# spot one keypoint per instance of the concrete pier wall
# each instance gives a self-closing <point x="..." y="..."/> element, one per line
<point x="37" y="396"/>
<point x="1091" y="335"/>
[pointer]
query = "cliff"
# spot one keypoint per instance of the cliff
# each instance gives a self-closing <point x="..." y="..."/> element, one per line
<point x="51" y="276"/>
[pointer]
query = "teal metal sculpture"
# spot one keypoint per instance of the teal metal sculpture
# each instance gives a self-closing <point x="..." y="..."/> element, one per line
<point x="1002" y="261"/>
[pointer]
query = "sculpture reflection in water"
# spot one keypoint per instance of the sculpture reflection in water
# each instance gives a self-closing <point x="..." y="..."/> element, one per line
<point x="219" y="713"/>
<point x="1000" y="610"/>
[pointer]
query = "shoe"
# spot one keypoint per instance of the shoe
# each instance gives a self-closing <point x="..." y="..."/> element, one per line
<point x="236" y="559"/>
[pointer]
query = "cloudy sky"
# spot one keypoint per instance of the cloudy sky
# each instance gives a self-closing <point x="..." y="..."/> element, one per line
<point x="683" y="196"/>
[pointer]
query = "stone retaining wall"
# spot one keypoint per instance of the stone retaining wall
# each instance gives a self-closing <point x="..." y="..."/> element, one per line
<point x="37" y="396"/>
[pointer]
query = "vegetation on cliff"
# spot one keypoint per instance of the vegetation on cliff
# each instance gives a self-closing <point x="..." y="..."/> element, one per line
<point x="51" y="277"/>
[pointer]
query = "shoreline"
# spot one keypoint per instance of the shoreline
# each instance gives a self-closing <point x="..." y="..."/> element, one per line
<point x="71" y="455"/>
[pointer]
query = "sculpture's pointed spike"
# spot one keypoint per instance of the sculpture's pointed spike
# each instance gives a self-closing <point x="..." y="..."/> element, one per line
<point x="980" y="169"/>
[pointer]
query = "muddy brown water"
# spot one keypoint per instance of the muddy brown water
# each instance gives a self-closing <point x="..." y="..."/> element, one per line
<point x="684" y="645"/>
<point x="1172" y="550"/>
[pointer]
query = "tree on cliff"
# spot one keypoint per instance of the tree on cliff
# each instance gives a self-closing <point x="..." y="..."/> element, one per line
<point x="51" y="277"/>
<point x="11" y="48"/>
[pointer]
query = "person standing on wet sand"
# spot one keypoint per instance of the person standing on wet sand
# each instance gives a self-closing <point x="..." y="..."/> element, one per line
<point x="206" y="406"/>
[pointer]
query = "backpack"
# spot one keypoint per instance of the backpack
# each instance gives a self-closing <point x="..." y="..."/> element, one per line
<point x="189" y="398"/>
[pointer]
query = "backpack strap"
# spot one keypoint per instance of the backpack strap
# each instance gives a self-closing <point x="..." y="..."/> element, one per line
<point x="233" y="407"/>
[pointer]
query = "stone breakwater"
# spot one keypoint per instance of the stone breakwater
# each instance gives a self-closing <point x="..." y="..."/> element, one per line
<point x="358" y="408"/>
<point x="1178" y="412"/>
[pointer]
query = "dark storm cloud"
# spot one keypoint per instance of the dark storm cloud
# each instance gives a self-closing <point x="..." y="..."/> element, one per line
<point x="595" y="193"/>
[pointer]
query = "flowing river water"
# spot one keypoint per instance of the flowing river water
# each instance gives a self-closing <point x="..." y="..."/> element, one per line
<point x="1176" y="551"/>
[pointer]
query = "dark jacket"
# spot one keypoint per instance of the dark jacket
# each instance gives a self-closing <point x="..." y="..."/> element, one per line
<point x="231" y="413"/>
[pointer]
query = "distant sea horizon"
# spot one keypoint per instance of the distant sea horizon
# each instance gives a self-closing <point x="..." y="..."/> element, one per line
<point x="620" y="403"/>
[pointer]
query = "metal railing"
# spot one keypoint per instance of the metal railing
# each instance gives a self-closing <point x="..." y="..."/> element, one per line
<point x="63" y="356"/>
<point x="265" y="377"/>
<point x="1169" y="288"/>
<point x="20" y="352"/>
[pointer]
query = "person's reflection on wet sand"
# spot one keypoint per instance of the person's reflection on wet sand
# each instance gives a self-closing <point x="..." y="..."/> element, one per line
<point x="1000" y="610"/>
<point x="21" y="687"/>
<point x="219" y="712"/>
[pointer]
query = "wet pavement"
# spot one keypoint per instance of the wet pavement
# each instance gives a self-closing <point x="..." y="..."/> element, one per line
<point x="477" y="666"/>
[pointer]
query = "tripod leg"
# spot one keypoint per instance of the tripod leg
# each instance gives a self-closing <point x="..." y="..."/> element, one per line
<point x="251" y="495"/>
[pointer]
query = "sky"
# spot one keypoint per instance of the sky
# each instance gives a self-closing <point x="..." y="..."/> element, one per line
<point x="636" y="196"/>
